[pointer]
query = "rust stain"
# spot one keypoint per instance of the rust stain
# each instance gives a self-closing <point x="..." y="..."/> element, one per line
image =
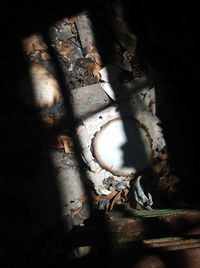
<point x="82" y="198"/>
<point x="75" y="211"/>
<point x="72" y="19"/>
<point x="131" y="229"/>
<point x="173" y="243"/>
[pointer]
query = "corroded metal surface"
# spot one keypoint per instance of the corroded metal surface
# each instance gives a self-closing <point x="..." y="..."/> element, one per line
<point x="137" y="245"/>
<point x="132" y="225"/>
<point x="172" y="243"/>
<point x="158" y="238"/>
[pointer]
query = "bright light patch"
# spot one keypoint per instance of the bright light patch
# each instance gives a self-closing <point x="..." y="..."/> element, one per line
<point x="123" y="147"/>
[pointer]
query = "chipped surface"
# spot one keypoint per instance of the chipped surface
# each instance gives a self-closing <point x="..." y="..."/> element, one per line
<point x="71" y="188"/>
<point x="94" y="123"/>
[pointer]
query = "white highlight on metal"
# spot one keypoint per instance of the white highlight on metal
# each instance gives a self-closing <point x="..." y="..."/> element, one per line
<point x="139" y="195"/>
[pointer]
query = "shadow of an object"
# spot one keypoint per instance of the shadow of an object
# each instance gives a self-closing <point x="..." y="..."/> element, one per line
<point x="27" y="161"/>
<point x="106" y="45"/>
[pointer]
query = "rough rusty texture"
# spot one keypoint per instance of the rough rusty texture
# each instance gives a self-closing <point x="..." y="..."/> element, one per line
<point x="158" y="238"/>
<point x="132" y="225"/>
<point x="172" y="243"/>
<point x="157" y="252"/>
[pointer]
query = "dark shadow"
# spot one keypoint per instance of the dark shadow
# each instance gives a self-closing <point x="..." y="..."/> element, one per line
<point x="136" y="254"/>
<point x="106" y="39"/>
<point x="168" y="50"/>
<point x="165" y="54"/>
<point x="33" y="230"/>
<point x="25" y="158"/>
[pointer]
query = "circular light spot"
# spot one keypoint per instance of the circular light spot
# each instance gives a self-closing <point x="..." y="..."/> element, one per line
<point x="123" y="146"/>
